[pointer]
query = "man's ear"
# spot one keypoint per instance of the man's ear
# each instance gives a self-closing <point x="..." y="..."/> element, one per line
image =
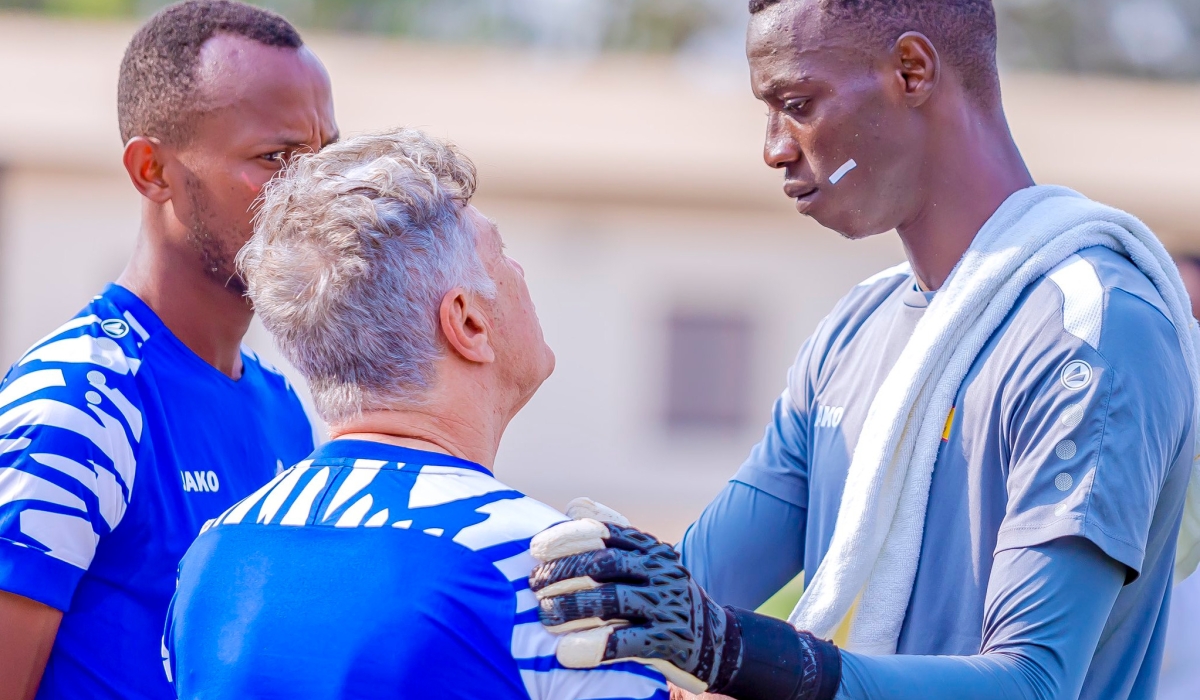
<point x="919" y="67"/>
<point x="465" y="326"/>
<point x="143" y="159"/>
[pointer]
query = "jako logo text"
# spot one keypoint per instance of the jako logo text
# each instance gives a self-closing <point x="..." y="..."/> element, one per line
<point x="200" y="481"/>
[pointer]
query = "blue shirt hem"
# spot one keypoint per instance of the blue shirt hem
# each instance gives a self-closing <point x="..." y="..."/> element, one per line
<point x="1025" y="537"/>
<point x="33" y="574"/>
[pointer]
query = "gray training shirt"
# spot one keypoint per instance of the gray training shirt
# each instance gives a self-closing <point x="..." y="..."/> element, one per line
<point x="1074" y="421"/>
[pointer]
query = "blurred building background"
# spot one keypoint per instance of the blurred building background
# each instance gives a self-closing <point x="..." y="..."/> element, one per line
<point x="1134" y="37"/>
<point x="620" y="150"/>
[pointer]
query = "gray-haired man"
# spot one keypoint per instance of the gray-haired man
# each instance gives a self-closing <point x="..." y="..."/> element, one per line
<point x="391" y="563"/>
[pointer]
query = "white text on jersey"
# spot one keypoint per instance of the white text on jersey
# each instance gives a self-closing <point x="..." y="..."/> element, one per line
<point x="200" y="481"/>
<point x="829" y="416"/>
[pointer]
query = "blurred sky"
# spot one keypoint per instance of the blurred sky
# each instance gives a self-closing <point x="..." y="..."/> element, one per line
<point x="1151" y="38"/>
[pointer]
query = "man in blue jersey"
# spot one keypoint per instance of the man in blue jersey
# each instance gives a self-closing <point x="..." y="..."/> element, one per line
<point x="1049" y="535"/>
<point x="125" y="429"/>
<point x="391" y="563"/>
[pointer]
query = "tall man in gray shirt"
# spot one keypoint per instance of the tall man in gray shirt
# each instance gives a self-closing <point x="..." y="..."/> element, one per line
<point x="1056" y="498"/>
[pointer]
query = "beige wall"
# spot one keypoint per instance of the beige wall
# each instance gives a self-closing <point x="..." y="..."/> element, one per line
<point x="63" y="234"/>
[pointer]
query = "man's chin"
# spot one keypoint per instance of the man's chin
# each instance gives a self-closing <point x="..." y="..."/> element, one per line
<point x="532" y="387"/>
<point x="858" y="235"/>
<point x="848" y="227"/>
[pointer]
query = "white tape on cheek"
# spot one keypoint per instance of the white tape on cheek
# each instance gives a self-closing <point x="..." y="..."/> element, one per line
<point x="841" y="172"/>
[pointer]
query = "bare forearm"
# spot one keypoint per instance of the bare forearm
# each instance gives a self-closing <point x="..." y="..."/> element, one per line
<point x="27" y="631"/>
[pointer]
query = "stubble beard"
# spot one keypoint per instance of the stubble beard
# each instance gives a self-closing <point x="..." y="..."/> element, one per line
<point x="216" y="260"/>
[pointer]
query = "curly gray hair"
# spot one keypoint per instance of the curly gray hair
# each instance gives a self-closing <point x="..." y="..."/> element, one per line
<point x="353" y="249"/>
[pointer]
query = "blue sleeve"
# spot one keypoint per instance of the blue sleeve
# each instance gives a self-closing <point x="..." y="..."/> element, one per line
<point x="745" y="529"/>
<point x="70" y="425"/>
<point x="778" y="464"/>
<point x="1046" y="608"/>
<point x="1093" y="430"/>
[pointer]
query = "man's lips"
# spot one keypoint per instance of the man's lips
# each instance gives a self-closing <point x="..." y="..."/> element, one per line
<point x="797" y="190"/>
<point x="803" y="194"/>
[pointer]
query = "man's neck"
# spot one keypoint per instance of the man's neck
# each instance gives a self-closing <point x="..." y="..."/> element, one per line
<point x="460" y="419"/>
<point x="389" y="439"/>
<point x="975" y="166"/>
<point x="208" y="318"/>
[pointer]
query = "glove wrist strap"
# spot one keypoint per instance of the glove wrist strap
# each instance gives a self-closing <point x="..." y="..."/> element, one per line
<point x="777" y="662"/>
<point x="731" y="649"/>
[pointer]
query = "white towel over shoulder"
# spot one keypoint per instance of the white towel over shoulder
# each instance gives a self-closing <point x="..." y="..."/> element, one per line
<point x="877" y="537"/>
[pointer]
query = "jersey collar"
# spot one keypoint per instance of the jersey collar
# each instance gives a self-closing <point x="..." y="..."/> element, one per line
<point x="342" y="450"/>
<point x="915" y="297"/>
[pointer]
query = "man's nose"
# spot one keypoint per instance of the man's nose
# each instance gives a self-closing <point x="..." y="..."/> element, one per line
<point x="779" y="148"/>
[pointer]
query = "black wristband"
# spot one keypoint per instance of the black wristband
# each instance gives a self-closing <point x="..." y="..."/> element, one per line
<point x="731" y="649"/>
<point x="780" y="663"/>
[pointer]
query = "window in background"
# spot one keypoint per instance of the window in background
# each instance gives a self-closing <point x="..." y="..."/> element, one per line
<point x="708" y="370"/>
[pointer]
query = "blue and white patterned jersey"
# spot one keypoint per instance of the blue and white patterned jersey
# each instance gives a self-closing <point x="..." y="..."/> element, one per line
<point x="117" y="443"/>
<point x="375" y="571"/>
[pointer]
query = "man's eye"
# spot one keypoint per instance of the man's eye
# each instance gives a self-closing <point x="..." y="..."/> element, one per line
<point x="796" y="105"/>
<point x="274" y="156"/>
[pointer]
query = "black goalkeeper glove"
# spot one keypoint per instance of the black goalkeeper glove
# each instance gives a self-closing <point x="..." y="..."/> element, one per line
<point x="619" y="594"/>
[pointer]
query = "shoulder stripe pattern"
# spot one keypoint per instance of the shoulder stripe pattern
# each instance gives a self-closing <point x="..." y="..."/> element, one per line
<point x="84" y="350"/>
<point x="1083" y="299"/>
<point x="297" y="514"/>
<point x="70" y="427"/>
<point x="471" y="509"/>
<point x="357" y="480"/>
<point x="31" y="383"/>
<point x="239" y="510"/>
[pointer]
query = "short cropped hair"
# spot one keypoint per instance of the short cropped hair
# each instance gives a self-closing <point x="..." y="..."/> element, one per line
<point x="158" y="92"/>
<point x="964" y="31"/>
<point x="353" y="249"/>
